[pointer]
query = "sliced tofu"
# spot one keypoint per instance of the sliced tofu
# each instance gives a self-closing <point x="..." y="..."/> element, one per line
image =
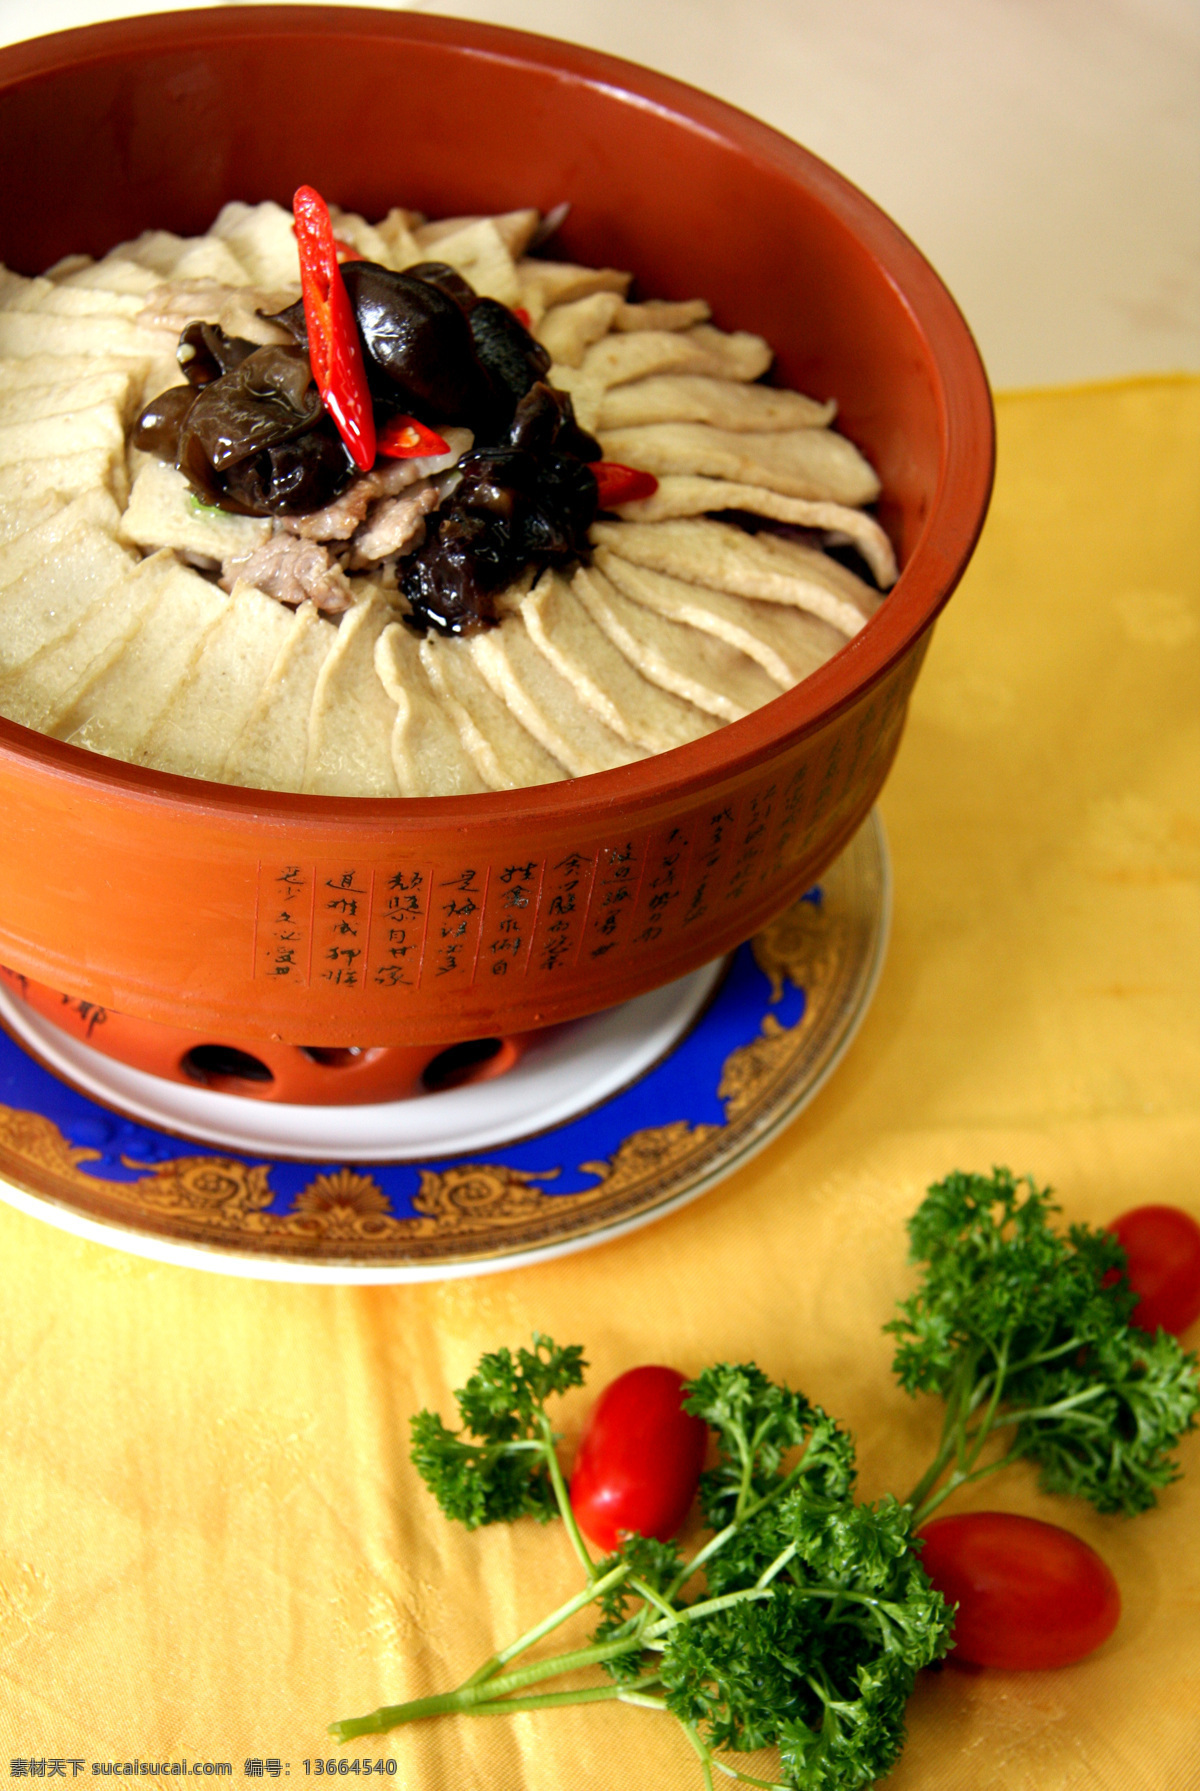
<point x="680" y="495"/>
<point x="545" y="703"/>
<point x="67" y="475"/>
<point x="93" y="426"/>
<point x="787" y="643"/>
<point x="115" y="273"/>
<point x="352" y="716"/>
<point x="114" y="712"/>
<point x="545" y="283"/>
<point x="41" y="546"/>
<point x="194" y="734"/>
<point x="804" y="463"/>
<point x="269" y="752"/>
<point x="164" y="512"/>
<point x="481" y="256"/>
<point x="703" y="552"/>
<point x="428" y="756"/>
<point x="66" y="397"/>
<point x="602" y="677"/>
<point x="21" y="513"/>
<point x="24" y="333"/>
<point x="637" y="354"/>
<point x="263" y="241"/>
<point x="70" y="301"/>
<point x="707" y="672"/>
<point x="48" y="602"/>
<point x="506" y="754"/>
<point x="52" y="680"/>
<point x="699" y="398"/>
<point x="566" y="332"/>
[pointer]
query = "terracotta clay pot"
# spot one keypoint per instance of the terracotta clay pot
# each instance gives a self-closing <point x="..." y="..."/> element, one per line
<point x="191" y="903"/>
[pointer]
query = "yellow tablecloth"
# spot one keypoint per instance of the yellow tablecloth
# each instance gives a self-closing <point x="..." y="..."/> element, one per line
<point x="211" y="1540"/>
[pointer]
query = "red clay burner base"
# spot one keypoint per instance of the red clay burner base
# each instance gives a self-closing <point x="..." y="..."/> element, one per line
<point x="311" y="1076"/>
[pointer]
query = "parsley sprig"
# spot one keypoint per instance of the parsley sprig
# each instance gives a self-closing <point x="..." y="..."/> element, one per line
<point x="803" y="1618"/>
<point x="1024" y="1332"/>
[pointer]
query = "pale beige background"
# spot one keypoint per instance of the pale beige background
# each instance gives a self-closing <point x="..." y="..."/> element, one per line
<point x="1045" y="154"/>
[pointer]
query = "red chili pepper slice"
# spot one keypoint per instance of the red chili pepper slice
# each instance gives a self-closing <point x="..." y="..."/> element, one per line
<point x="616" y="484"/>
<point x="334" y="350"/>
<point x="403" y="438"/>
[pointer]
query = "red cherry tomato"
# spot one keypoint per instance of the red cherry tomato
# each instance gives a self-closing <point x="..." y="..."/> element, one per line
<point x="640" y="1459"/>
<point x="1028" y="1593"/>
<point x="1162" y="1247"/>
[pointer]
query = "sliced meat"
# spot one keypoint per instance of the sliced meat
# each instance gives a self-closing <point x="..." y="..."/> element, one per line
<point x="395" y="525"/>
<point x="338" y="521"/>
<point x="293" y="572"/>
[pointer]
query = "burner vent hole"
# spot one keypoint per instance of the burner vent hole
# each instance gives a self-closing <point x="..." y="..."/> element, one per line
<point x="333" y="1057"/>
<point x="221" y="1063"/>
<point x="459" y="1064"/>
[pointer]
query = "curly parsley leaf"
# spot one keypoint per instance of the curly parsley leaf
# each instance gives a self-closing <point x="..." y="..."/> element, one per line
<point x="497" y="1466"/>
<point x="819" y="1656"/>
<point x="1023" y="1328"/>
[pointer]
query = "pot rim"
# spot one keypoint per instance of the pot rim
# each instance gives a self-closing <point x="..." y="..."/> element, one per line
<point x="948" y="533"/>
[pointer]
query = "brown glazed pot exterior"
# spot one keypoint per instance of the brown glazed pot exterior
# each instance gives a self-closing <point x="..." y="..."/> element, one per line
<point x="330" y="921"/>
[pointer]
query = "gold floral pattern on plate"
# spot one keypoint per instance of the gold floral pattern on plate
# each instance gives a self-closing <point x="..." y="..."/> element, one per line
<point x="488" y="1213"/>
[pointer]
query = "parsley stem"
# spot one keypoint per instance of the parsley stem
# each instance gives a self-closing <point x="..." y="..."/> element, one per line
<point x="467" y="1699"/>
<point x="564" y="1502"/>
<point x="591" y="1694"/>
<point x="704" y="1754"/>
<point x="590" y="1592"/>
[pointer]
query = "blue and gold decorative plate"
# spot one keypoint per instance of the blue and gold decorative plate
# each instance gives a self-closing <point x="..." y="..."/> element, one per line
<point x="771" y="1028"/>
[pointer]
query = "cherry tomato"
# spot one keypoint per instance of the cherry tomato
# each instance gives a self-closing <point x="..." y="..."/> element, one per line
<point x="640" y="1459"/>
<point x="1028" y="1593"/>
<point x="1162" y="1248"/>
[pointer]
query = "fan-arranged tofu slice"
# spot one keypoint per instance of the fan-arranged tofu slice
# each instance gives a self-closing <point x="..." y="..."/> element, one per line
<point x="21" y="513"/>
<point x="51" y="681"/>
<point x="25" y="333"/>
<point x="428" y="756"/>
<point x="505" y="754"/>
<point x="566" y="332"/>
<point x="185" y="257"/>
<point x="699" y="398"/>
<point x="269" y="752"/>
<point x="601" y="676"/>
<point x="663" y="314"/>
<point x="58" y="369"/>
<point x="38" y="548"/>
<point x="787" y="643"/>
<point x="624" y="356"/>
<point x="679" y="494"/>
<point x="804" y="463"/>
<point x="352" y="717"/>
<point x="115" y="712"/>
<point x="479" y="252"/>
<point x="57" y="300"/>
<point x="68" y="475"/>
<point x="707" y="672"/>
<point x="194" y="734"/>
<point x="64" y="398"/>
<point x="262" y="240"/>
<point x="638" y="354"/>
<point x="48" y="601"/>
<point x="546" y="283"/>
<point x="114" y="273"/>
<point x="99" y="425"/>
<point x="545" y="703"/>
<point x="724" y="558"/>
<point x="164" y="512"/>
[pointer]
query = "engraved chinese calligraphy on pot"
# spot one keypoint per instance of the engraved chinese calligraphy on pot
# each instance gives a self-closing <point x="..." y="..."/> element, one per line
<point x="170" y="899"/>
